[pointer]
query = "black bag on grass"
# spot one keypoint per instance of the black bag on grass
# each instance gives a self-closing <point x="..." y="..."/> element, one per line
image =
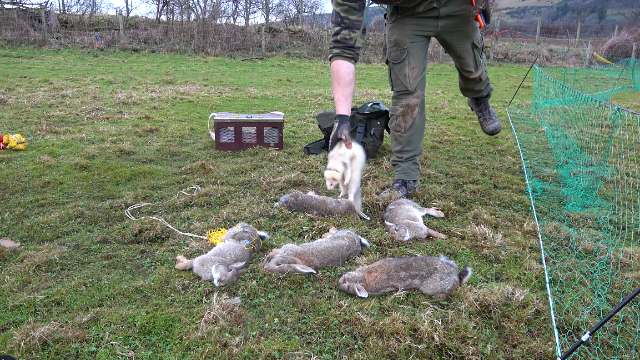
<point x="368" y="123"/>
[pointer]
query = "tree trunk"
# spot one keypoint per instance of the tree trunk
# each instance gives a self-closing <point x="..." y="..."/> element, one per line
<point x="266" y="9"/>
<point x="43" y="13"/>
<point x="247" y="13"/>
<point x="93" y="10"/>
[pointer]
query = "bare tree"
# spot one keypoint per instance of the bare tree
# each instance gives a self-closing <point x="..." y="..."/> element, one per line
<point x="632" y="15"/>
<point x="290" y="11"/>
<point x="181" y="9"/>
<point x="127" y="7"/>
<point x="238" y="10"/>
<point x="20" y="4"/>
<point x="234" y="8"/>
<point x="250" y="9"/>
<point x="200" y="9"/>
<point x="266" y="11"/>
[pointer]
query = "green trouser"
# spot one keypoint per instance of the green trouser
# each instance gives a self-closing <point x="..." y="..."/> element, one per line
<point x="408" y="35"/>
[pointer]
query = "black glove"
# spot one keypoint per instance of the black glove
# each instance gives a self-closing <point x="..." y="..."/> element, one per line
<point x="341" y="131"/>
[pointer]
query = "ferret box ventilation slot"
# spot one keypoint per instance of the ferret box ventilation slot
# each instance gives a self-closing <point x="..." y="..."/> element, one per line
<point x="235" y="132"/>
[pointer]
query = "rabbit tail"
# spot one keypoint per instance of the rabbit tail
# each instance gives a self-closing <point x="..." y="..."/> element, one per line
<point x="464" y="275"/>
<point x="364" y="242"/>
<point x="263" y="235"/>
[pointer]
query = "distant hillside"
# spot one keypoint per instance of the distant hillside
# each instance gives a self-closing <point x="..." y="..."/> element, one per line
<point x="599" y="18"/>
<point x="324" y="20"/>
<point x="505" y="4"/>
<point x="593" y="12"/>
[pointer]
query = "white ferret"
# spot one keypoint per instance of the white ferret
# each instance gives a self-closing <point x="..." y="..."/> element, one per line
<point x="345" y="167"/>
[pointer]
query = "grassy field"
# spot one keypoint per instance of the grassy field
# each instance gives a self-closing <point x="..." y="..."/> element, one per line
<point x="629" y="100"/>
<point x="109" y="132"/>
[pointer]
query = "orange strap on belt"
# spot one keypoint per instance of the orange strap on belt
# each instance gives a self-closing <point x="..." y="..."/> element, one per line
<point x="479" y="17"/>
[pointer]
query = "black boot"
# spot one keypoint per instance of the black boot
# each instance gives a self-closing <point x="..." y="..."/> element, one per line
<point x="487" y="117"/>
<point x="400" y="189"/>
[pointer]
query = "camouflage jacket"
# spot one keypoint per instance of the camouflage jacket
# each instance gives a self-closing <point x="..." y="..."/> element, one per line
<point x="348" y="24"/>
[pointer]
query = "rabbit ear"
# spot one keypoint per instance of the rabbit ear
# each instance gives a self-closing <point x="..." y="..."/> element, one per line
<point x="388" y="224"/>
<point x="273" y="266"/>
<point x="360" y="291"/>
<point x="237" y="266"/>
<point x="364" y="242"/>
<point x="303" y="269"/>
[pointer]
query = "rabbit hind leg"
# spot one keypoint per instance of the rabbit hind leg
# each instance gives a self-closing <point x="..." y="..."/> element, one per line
<point x="183" y="263"/>
<point x="435" y="234"/>
<point x="433" y="212"/>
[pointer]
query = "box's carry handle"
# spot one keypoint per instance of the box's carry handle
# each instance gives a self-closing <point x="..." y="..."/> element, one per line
<point x="213" y="135"/>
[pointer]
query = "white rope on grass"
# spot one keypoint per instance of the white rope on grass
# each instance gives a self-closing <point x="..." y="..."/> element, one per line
<point x="195" y="189"/>
<point x="535" y="217"/>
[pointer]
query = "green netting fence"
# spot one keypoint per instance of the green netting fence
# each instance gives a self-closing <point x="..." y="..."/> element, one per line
<point x="581" y="159"/>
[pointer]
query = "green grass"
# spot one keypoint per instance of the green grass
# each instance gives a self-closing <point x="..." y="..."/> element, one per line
<point x="628" y="99"/>
<point x="109" y="132"/>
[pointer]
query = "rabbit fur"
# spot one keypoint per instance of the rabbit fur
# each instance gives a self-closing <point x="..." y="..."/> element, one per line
<point x="333" y="249"/>
<point x="403" y="219"/>
<point x="435" y="276"/>
<point x="311" y="203"/>
<point x="229" y="259"/>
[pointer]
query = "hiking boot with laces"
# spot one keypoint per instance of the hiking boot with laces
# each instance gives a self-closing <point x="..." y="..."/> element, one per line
<point x="487" y="117"/>
<point x="400" y="189"/>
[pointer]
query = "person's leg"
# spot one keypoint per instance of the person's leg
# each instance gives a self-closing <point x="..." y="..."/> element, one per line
<point x="408" y="44"/>
<point x="460" y="36"/>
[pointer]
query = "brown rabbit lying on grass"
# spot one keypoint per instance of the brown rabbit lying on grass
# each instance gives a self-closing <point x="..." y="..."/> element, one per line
<point x="433" y="276"/>
<point x="403" y="219"/>
<point x="228" y="260"/>
<point x="335" y="248"/>
<point x="311" y="203"/>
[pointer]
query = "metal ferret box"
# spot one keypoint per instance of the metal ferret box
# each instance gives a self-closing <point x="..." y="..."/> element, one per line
<point x="235" y="132"/>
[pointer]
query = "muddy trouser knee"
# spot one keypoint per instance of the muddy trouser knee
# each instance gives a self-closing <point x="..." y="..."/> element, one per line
<point x="407" y="62"/>
<point x="408" y="37"/>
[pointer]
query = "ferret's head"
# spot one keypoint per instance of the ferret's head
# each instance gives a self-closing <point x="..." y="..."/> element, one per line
<point x="332" y="177"/>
